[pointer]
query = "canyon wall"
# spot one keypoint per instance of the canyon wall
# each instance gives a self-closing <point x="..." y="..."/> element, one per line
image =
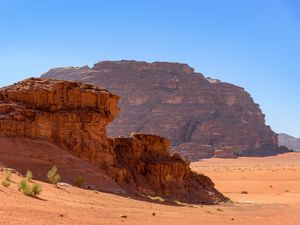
<point x="74" y="116"/>
<point x="201" y="116"/>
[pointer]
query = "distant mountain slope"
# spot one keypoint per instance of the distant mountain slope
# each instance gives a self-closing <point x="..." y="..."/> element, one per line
<point x="289" y="141"/>
<point x="203" y="117"/>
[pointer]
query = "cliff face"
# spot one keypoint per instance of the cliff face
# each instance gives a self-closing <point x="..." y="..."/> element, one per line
<point x="202" y="117"/>
<point x="289" y="141"/>
<point x="74" y="116"/>
<point x="153" y="171"/>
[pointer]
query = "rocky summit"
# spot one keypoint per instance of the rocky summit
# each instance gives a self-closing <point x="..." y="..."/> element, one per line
<point x="74" y="116"/>
<point x="203" y="117"/>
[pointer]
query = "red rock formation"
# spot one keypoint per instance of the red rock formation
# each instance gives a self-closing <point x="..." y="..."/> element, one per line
<point x="74" y="116"/>
<point x="39" y="156"/>
<point x="201" y="116"/>
<point x="154" y="172"/>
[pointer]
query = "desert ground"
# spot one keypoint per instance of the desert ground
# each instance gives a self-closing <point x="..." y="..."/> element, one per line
<point x="262" y="191"/>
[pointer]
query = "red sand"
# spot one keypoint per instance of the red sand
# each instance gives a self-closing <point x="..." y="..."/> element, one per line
<point x="272" y="183"/>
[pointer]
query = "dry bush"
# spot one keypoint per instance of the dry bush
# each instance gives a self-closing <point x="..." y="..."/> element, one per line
<point x="6" y="181"/>
<point x="28" y="175"/>
<point x="53" y="175"/>
<point x="29" y="190"/>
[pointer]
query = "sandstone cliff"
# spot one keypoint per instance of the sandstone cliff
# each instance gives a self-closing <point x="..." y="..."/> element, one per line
<point x="74" y="116"/>
<point x="202" y="117"/>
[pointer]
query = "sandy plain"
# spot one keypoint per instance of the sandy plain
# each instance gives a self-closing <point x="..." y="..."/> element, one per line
<point x="263" y="191"/>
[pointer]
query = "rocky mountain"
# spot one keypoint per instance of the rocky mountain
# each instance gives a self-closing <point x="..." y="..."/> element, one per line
<point x="74" y="116"/>
<point x="289" y="141"/>
<point x="203" y="117"/>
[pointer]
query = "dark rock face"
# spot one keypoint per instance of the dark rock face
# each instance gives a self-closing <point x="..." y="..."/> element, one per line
<point x="202" y="117"/>
<point x="289" y="141"/>
<point x="74" y="116"/>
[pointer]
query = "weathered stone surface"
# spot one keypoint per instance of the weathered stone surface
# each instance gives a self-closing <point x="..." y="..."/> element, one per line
<point x="153" y="171"/>
<point x="74" y="116"/>
<point x="201" y="116"/>
<point x="289" y="141"/>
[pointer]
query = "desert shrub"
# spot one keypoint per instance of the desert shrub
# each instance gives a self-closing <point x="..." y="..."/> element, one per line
<point x="24" y="187"/>
<point x="28" y="175"/>
<point x="6" y="181"/>
<point x="29" y="190"/>
<point x="78" y="181"/>
<point x="7" y="175"/>
<point x="36" y="189"/>
<point x="53" y="175"/>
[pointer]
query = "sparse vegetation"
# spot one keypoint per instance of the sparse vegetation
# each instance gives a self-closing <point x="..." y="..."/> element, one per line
<point x="28" y="175"/>
<point x="244" y="192"/>
<point x="53" y="175"/>
<point x="7" y="175"/>
<point x="36" y="189"/>
<point x="6" y="181"/>
<point x="78" y="181"/>
<point x="29" y="190"/>
<point x="24" y="187"/>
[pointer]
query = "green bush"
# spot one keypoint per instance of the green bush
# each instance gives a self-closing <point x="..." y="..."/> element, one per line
<point x="53" y="175"/>
<point x="28" y="175"/>
<point x="29" y="190"/>
<point x="36" y="189"/>
<point x="24" y="187"/>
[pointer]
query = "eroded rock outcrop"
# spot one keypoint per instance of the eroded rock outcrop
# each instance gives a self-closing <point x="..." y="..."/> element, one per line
<point x="153" y="171"/>
<point x="74" y="116"/>
<point x="203" y="117"/>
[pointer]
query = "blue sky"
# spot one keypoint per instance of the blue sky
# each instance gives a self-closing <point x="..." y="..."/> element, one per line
<point x="251" y="43"/>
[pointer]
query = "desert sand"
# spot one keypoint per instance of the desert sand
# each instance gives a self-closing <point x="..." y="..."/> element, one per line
<point x="270" y="186"/>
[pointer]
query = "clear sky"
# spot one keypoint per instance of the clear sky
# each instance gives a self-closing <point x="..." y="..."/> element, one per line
<point x="251" y="43"/>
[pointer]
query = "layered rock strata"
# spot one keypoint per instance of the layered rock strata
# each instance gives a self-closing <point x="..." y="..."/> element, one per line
<point x="203" y="117"/>
<point x="74" y="116"/>
<point x="154" y="172"/>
